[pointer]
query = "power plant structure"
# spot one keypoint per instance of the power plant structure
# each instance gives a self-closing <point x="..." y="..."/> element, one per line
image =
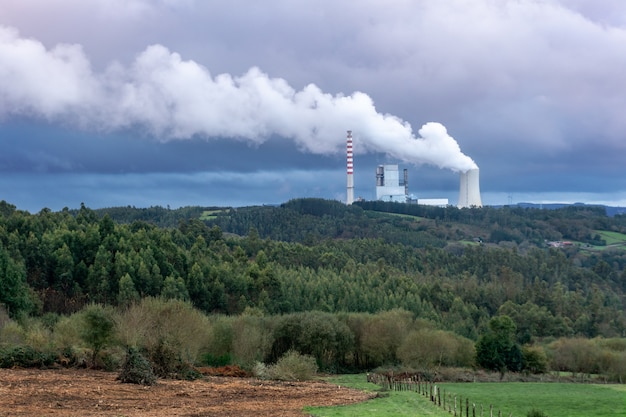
<point x="350" y="169"/>
<point x="469" y="192"/>
<point x="389" y="186"/>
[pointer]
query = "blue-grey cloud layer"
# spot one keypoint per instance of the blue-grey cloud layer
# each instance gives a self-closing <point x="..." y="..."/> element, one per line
<point x="533" y="91"/>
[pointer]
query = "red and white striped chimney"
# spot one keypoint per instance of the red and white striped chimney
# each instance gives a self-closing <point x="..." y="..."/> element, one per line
<point x="350" y="166"/>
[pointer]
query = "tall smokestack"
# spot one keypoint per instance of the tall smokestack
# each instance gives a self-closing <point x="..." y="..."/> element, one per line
<point x="350" y="166"/>
<point x="469" y="193"/>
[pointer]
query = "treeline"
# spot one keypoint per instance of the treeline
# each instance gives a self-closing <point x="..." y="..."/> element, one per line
<point x="313" y="220"/>
<point x="177" y="338"/>
<point x="59" y="262"/>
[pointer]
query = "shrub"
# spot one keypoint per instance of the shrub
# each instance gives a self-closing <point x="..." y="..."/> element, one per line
<point x="170" y="333"/>
<point x="382" y="335"/>
<point x="260" y="370"/>
<point x="38" y="335"/>
<point x="428" y="348"/>
<point x="66" y="332"/>
<point x="98" y="328"/>
<point x="536" y="413"/>
<point x="137" y="369"/>
<point x="4" y="316"/>
<point x="251" y="340"/>
<point x="535" y="359"/>
<point x="25" y="357"/>
<point x="293" y="366"/>
<point x="314" y="333"/>
<point x="220" y="341"/>
<point x="217" y="361"/>
<point x="12" y="334"/>
<point x="111" y="359"/>
<point x="576" y="355"/>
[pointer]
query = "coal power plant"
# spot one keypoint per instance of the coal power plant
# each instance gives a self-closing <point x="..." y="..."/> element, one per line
<point x="393" y="186"/>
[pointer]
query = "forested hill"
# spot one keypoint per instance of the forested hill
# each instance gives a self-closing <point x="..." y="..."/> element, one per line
<point x="554" y="272"/>
<point x="313" y="220"/>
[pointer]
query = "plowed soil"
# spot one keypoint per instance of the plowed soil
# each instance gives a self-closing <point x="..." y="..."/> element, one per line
<point x="77" y="392"/>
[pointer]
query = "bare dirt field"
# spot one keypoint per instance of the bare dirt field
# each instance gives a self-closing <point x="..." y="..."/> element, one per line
<point x="78" y="392"/>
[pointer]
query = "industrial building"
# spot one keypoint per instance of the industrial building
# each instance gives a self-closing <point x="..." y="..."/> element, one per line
<point x="389" y="186"/>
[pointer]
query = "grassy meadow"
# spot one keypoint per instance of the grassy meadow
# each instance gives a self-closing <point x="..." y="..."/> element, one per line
<point x="612" y="238"/>
<point x="518" y="398"/>
<point x="554" y="399"/>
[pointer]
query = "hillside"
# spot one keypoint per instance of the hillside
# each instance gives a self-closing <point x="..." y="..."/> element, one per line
<point x="456" y="268"/>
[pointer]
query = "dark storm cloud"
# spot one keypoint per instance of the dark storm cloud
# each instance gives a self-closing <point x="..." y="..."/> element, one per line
<point x="531" y="90"/>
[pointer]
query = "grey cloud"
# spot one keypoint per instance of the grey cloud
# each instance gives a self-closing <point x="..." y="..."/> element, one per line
<point x="532" y="88"/>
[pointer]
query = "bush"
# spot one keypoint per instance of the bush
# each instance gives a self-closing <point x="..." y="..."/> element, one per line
<point x="251" y="339"/>
<point x="98" y="328"/>
<point x="220" y="341"/>
<point x="12" y="334"/>
<point x="314" y="333"/>
<point x="535" y="359"/>
<point x="217" y="361"/>
<point x="260" y="370"/>
<point x="165" y="329"/>
<point x="536" y="413"/>
<point x="111" y="359"/>
<point x="4" y="316"/>
<point x="293" y="366"/>
<point x="25" y="357"/>
<point x="137" y="369"/>
<point x="429" y="348"/>
<point x="66" y="333"/>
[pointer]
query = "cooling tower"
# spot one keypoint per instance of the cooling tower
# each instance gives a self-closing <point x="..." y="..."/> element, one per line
<point x="469" y="194"/>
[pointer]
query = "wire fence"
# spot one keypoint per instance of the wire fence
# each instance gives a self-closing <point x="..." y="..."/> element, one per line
<point x="453" y="403"/>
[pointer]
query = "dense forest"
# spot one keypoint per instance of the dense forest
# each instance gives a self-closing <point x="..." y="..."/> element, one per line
<point x="555" y="273"/>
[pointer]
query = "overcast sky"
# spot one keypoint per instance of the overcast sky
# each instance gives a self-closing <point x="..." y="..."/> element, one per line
<point x="231" y="103"/>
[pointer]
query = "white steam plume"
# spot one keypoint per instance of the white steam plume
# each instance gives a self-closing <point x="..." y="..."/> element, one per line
<point x="177" y="99"/>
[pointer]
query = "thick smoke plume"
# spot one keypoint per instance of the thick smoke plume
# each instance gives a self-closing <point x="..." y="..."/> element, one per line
<point x="176" y="99"/>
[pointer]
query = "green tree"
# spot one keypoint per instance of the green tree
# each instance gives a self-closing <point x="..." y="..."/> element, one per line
<point x="496" y="349"/>
<point x="174" y="288"/>
<point x="98" y="328"/>
<point x="127" y="292"/>
<point x="14" y="291"/>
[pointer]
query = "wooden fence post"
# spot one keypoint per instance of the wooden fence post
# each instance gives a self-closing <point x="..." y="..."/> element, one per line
<point x="490" y="410"/>
<point x="466" y="407"/>
<point x="455" y="405"/>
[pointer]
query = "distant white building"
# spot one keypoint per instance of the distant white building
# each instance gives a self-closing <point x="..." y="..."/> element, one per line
<point x="439" y="202"/>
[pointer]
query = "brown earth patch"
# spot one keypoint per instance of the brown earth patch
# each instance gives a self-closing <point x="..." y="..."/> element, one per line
<point x="85" y="393"/>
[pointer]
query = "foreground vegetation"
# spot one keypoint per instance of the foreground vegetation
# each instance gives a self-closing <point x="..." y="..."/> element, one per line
<point x="356" y="287"/>
<point x="176" y="338"/>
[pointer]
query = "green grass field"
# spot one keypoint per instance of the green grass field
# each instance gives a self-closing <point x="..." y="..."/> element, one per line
<point x="388" y="404"/>
<point x="612" y="238"/>
<point x="518" y="398"/>
<point x="210" y="214"/>
<point x="554" y="399"/>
